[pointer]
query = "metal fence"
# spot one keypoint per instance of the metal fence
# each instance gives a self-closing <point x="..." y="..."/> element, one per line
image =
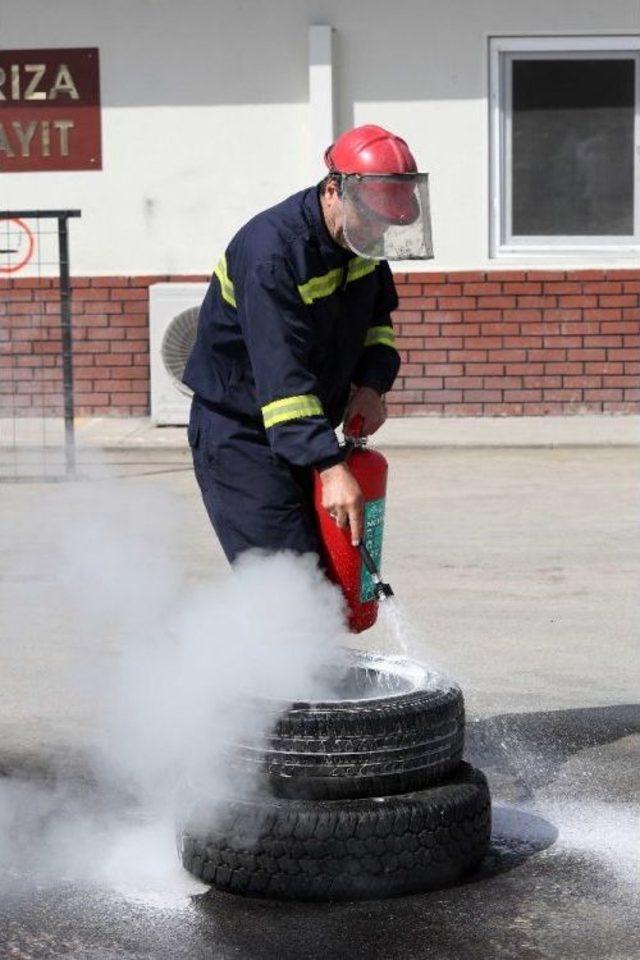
<point x="37" y="440"/>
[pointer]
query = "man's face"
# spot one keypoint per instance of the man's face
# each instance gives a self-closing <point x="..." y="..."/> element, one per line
<point x="379" y="216"/>
<point x="364" y="232"/>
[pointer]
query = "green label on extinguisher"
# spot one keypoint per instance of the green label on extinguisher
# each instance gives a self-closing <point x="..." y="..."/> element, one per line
<point x="373" y="528"/>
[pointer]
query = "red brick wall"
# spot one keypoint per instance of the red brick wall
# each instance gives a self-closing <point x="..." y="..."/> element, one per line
<point x="110" y="318"/>
<point x="518" y="343"/>
<point x="473" y="343"/>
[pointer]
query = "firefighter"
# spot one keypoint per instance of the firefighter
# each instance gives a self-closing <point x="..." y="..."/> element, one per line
<point x="294" y="337"/>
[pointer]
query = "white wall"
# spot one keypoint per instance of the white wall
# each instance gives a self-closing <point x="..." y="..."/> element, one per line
<point x="205" y="114"/>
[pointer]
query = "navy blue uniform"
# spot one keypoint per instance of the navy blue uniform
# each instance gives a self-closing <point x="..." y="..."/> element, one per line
<point x="290" y="321"/>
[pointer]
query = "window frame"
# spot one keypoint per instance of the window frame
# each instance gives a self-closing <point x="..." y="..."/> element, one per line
<point x="502" y="52"/>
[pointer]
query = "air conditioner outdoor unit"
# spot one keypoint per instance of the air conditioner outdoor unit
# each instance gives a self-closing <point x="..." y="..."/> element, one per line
<point x="173" y="318"/>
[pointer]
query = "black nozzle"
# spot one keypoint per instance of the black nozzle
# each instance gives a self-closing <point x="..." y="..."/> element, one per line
<point x="383" y="590"/>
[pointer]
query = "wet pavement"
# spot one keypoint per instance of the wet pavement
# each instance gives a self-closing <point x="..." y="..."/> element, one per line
<point x="561" y="880"/>
<point x="532" y="919"/>
<point x="519" y="570"/>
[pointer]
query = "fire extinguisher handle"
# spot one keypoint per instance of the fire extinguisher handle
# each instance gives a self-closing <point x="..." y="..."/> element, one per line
<point x="354" y="427"/>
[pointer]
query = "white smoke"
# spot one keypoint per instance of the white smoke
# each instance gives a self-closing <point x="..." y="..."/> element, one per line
<point x="135" y="680"/>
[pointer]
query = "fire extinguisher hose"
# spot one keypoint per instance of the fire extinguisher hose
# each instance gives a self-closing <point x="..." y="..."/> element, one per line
<point x="382" y="590"/>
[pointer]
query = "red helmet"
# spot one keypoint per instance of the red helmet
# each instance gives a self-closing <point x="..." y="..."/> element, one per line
<point x="371" y="151"/>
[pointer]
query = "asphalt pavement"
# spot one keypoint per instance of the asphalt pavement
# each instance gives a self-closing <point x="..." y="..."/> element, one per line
<point x="516" y="571"/>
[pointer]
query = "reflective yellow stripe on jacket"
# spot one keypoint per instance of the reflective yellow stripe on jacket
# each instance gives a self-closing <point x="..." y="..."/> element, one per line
<point x="290" y="408"/>
<point x="226" y="286"/>
<point x="314" y="289"/>
<point x="318" y="287"/>
<point x="377" y="335"/>
<point x="360" y="268"/>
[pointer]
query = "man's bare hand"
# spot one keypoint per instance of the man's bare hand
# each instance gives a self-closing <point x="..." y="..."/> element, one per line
<point x="368" y="404"/>
<point x="342" y="497"/>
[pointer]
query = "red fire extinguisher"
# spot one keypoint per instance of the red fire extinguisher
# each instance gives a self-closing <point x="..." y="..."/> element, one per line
<point x="356" y="569"/>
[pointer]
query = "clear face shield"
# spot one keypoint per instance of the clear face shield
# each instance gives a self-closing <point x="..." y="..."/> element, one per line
<point x="387" y="216"/>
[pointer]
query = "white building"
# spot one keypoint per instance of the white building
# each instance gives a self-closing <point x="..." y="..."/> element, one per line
<point x="525" y="115"/>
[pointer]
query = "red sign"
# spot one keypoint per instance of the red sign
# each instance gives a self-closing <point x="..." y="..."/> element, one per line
<point x="49" y="110"/>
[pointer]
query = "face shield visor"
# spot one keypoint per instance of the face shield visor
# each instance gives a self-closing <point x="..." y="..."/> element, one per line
<point x="387" y="216"/>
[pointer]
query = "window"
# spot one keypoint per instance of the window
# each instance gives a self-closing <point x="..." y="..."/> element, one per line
<point x="565" y="145"/>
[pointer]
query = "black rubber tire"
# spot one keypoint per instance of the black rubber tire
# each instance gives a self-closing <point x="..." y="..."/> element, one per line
<point x="338" y="776"/>
<point x="331" y="750"/>
<point x="351" y="849"/>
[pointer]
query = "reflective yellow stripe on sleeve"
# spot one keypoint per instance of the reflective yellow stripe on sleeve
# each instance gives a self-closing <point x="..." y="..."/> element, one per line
<point x="226" y="286"/>
<point x="290" y="408"/>
<point x="377" y="335"/>
<point x="318" y="287"/>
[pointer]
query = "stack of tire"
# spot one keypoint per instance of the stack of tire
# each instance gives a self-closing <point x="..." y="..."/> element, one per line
<point x="367" y="795"/>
